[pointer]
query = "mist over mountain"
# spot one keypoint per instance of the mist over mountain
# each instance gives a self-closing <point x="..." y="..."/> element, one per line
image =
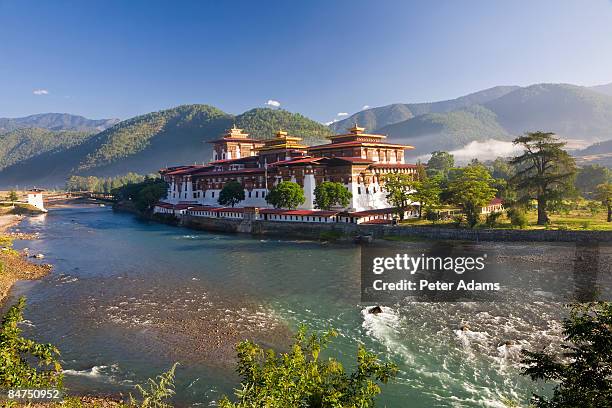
<point x="56" y="121"/>
<point x="605" y="89"/>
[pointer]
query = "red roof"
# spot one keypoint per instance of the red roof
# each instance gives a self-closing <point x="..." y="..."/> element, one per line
<point x="496" y="201"/>
<point x="186" y="170"/>
<point x="316" y="213"/>
<point x="236" y="139"/>
<point x="378" y="211"/>
<point x="247" y="170"/>
<point x="299" y="160"/>
<point x="378" y="221"/>
<point x="356" y="143"/>
<point x="239" y="160"/>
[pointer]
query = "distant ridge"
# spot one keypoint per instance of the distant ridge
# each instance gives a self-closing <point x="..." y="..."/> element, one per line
<point x="376" y="118"/>
<point x="500" y="113"/>
<point x="56" y="121"/>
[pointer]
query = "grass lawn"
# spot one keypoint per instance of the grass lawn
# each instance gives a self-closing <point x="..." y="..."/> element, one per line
<point x="573" y="220"/>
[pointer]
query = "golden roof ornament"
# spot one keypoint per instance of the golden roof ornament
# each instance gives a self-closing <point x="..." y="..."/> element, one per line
<point x="356" y="129"/>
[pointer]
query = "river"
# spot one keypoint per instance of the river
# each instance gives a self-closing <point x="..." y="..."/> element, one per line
<point x="127" y="298"/>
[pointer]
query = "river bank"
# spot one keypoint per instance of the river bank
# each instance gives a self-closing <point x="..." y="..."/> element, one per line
<point x="351" y="232"/>
<point x="14" y="265"/>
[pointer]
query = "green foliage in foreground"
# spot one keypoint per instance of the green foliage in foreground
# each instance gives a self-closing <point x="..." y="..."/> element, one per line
<point x="329" y="193"/>
<point x="583" y="373"/>
<point x="23" y="362"/>
<point x="286" y="194"/>
<point x="155" y="393"/>
<point x="144" y="195"/>
<point x="301" y="378"/>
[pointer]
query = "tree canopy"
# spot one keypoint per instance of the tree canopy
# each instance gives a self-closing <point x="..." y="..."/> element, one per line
<point x="544" y="171"/>
<point x="286" y="194"/>
<point x="604" y="194"/>
<point x="329" y="194"/>
<point x="399" y="187"/>
<point x="440" y="162"/>
<point x="472" y="189"/>
<point x="231" y="194"/>
<point x="583" y="373"/>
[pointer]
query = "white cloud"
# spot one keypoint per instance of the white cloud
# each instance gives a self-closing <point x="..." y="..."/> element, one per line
<point x="330" y="122"/>
<point x="483" y="151"/>
<point x="273" y="103"/>
<point x="342" y="114"/>
<point x="486" y="150"/>
<point x="364" y="107"/>
<point x="40" y="92"/>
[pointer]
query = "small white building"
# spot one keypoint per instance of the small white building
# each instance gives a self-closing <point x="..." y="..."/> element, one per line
<point x="35" y="198"/>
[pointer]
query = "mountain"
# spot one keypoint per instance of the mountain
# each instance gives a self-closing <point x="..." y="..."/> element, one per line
<point x="446" y="131"/>
<point x="376" y="118"/>
<point x="146" y="143"/>
<point x="568" y="110"/>
<point x="571" y="111"/>
<point x="56" y="121"/>
<point x="596" y="148"/>
<point x="22" y="144"/>
<point x="604" y="89"/>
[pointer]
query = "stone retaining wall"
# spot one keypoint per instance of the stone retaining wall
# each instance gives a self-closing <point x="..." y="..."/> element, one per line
<point x="350" y="231"/>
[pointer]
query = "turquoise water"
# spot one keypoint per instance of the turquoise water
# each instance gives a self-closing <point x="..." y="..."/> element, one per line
<point x="127" y="298"/>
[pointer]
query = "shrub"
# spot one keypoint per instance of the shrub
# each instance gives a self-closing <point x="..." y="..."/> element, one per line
<point x="518" y="217"/>
<point x="301" y="378"/>
<point x="157" y="392"/>
<point x="492" y="218"/>
<point x="23" y="362"/>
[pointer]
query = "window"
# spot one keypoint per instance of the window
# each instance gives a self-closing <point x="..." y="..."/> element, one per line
<point x="358" y="190"/>
<point x="257" y="194"/>
<point x="213" y="194"/>
<point x="249" y="193"/>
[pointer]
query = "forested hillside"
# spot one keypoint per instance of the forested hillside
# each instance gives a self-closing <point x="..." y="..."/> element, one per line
<point x="56" y="121"/>
<point x="22" y="144"/>
<point x="142" y="144"/>
<point x="446" y="131"/>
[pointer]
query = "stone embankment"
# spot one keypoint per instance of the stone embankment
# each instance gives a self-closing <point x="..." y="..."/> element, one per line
<point x="345" y="231"/>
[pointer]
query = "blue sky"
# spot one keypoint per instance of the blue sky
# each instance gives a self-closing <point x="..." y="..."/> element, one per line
<point x="319" y="58"/>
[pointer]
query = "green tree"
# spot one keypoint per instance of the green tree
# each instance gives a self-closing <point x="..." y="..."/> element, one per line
<point x="144" y="195"/>
<point x="286" y="194"/>
<point x="544" y="171"/>
<point x="427" y="193"/>
<point x="472" y="189"/>
<point x="399" y="188"/>
<point x="583" y="373"/>
<point x="604" y="194"/>
<point x="589" y="177"/>
<point x="501" y="169"/>
<point x="328" y="194"/>
<point x="231" y="194"/>
<point x="440" y="163"/>
<point x="12" y="196"/>
<point x="301" y="378"/>
<point x="23" y="362"/>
